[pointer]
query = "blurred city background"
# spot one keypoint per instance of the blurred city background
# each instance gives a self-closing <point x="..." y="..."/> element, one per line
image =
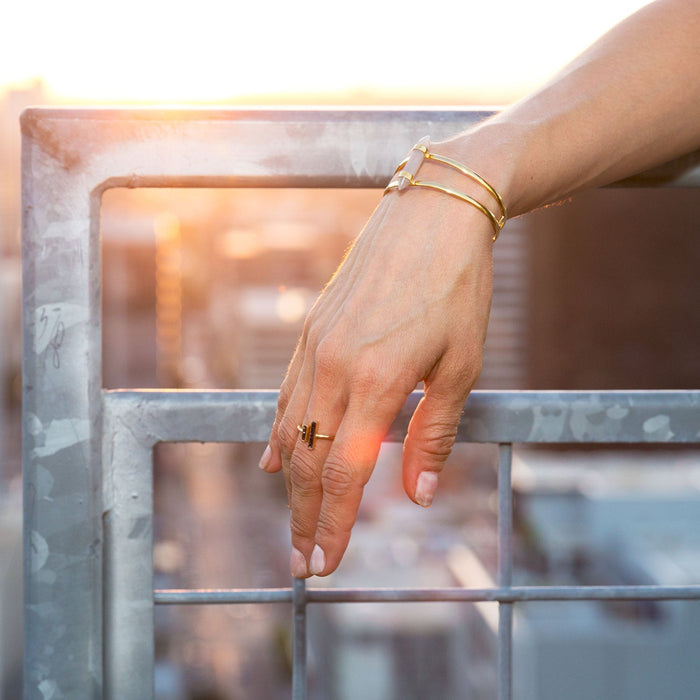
<point x="209" y="288"/>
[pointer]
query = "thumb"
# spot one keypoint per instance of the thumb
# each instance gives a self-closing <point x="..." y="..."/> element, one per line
<point x="431" y="436"/>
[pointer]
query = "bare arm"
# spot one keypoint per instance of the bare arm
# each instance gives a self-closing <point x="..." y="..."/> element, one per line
<point x="631" y="101"/>
<point x="411" y="300"/>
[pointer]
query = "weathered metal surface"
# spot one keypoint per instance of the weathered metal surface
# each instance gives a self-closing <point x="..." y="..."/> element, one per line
<point x="61" y="430"/>
<point x="258" y="147"/>
<point x="222" y="596"/>
<point x="243" y="148"/>
<point x="128" y="561"/>
<point x="505" y="571"/>
<point x="489" y="416"/>
<point x="513" y="594"/>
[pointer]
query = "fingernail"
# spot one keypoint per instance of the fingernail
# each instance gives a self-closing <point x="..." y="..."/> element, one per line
<point x="265" y="459"/>
<point x="318" y="561"/>
<point x="425" y="488"/>
<point x="297" y="564"/>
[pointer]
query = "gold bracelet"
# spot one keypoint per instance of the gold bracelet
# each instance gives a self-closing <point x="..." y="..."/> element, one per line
<point x="405" y="176"/>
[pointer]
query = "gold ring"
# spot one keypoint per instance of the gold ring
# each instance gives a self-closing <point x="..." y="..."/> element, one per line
<point x="309" y="434"/>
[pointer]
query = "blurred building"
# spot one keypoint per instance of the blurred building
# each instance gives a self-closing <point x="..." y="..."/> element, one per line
<point x="609" y="518"/>
<point x="615" y="291"/>
<point x="11" y="105"/>
<point x="231" y="290"/>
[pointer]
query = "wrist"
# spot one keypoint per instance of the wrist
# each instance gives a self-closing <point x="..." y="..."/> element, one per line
<point x="498" y="151"/>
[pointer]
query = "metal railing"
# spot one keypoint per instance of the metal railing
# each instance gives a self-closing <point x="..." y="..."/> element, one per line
<point x="88" y="452"/>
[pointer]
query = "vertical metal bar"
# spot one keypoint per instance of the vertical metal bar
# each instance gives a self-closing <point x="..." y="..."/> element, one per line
<point x="505" y="571"/>
<point x="61" y="410"/>
<point x="129" y="645"/>
<point x="299" y="661"/>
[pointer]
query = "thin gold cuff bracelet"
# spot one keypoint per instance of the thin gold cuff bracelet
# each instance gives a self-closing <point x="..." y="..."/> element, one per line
<point x="405" y="176"/>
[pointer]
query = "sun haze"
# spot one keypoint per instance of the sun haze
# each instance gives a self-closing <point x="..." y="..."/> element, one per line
<point x="214" y="51"/>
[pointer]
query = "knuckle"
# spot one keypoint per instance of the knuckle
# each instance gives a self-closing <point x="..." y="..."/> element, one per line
<point x="440" y="445"/>
<point x="328" y="357"/>
<point x="311" y="320"/>
<point x="312" y="333"/>
<point x="339" y="479"/>
<point x="287" y="433"/>
<point x="301" y="526"/>
<point x="437" y="442"/>
<point x="314" y="329"/>
<point x="304" y="476"/>
<point x="469" y="372"/>
<point x="328" y="527"/>
<point x="377" y="372"/>
<point x="474" y="370"/>
<point x="368" y="380"/>
<point x="285" y="394"/>
<point x="461" y="370"/>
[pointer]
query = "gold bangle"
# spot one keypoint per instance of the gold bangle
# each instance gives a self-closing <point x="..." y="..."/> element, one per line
<point x="497" y="223"/>
<point x="405" y="176"/>
<point x="474" y="176"/>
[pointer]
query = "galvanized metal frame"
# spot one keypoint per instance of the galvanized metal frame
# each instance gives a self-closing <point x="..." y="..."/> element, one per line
<point x="87" y="452"/>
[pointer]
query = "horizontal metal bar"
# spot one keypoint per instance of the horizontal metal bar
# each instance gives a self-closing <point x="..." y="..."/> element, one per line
<point x="514" y="594"/>
<point x="236" y="148"/>
<point x="489" y="416"/>
<point x="227" y="596"/>
<point x="504" y="595"/>
<point x="341" y="147"/>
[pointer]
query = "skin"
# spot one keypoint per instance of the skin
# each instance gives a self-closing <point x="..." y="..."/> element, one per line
<point x="411" y="300"/>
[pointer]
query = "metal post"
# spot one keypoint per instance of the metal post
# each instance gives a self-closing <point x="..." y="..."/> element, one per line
<point x="129" y="646"/>
<point x="505" y="572"/>
<point x="299" y="662"/>
<point x="61" y="424"/>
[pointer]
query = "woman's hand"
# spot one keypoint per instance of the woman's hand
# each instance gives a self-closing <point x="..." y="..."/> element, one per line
<point x="410" y="302"/>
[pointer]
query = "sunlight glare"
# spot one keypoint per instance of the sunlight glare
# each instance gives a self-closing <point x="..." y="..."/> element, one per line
<point x="165" y="52"/>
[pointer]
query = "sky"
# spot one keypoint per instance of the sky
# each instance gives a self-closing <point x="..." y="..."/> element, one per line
<point x="210" y="51"/>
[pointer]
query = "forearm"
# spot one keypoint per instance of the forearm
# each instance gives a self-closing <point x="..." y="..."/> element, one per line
<point x="631" y="101"/>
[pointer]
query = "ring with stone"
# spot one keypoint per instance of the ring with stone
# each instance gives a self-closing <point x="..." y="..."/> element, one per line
<point x="309" y="434"/>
